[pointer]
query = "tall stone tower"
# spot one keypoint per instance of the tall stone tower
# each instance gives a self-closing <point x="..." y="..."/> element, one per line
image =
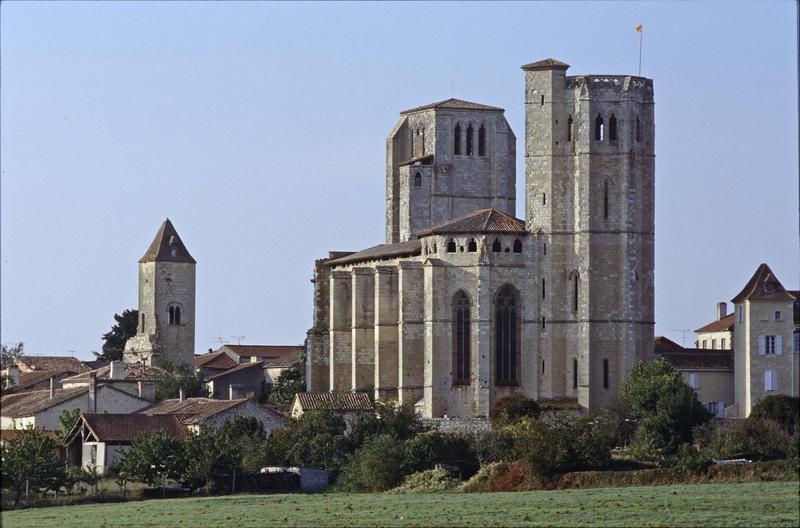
<point x="166" y="303"/>
<point x="589" y="197"/>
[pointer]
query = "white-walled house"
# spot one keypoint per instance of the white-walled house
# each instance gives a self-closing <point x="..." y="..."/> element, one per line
<point x="207" y="411"/>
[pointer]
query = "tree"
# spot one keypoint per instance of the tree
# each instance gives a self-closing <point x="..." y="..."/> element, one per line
<point x="30" y="462"/>
<point x="512" y="408"/>
<point x="399" y="421"/>
<point x="287" y="384"/>
<point x="152" y="458"/>
<point x="665" y="406"/>
<point x="376" y="466"/>
<point x="207" y="455"/>
<point x="781" y="409"/>
<point x="124" y="328"/>
<point x="10" y="354"/>
<point x="192" y="382"/>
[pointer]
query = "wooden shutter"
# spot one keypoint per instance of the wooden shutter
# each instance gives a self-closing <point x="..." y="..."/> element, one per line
<point x="779" y="345"/>
<point x="767" y="380"/>
<point x="762" y="345"/>
<point x="774" y="384"/>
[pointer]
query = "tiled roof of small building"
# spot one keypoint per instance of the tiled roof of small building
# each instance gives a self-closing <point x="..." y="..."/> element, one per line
<point x="123" y="428"/>
<point x="271" y="355"/>
<point x="28" y="379"/>
<point x="20" y="405"/>
<point x="237" y="368"/>
<point x="699" y="359"/>
<point x="763" y="286"/>
<point x="381" y="252"/>
<point x="336" y="401"/>
<point x="57" y="363"/>
<point x="167" y="246"/>
<point x="7" y="435"/>
<point x="133" y="372"/>
<point x="546" y="64"/>
<point x="214" y="360"/>
<point x="455" y="104"/>
<point x="480" y="221"/>
<point x="719" y="325"/>
<point x="196" y="408"/>
<point x="664" y="344"/>
<point x="559" y="404"/>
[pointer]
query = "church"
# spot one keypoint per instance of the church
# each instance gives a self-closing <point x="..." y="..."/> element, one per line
<point x="465" y="303"/>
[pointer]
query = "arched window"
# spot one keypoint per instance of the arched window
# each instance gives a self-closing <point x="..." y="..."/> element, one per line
<point x="569" y="129"/>
<point x="482" y="141"/>
<point x="612" y="127"/>
<point x="177" y="315"/>
<point x="469" y="140"/>
<point x="144" y="327"/>
<point x="457" y="140"/>
<point x="605" y="199"/>
<point x="172" y="315"/>
<point x="574" y="373"/>
<point x="461" y="338"/>
<point x="517" y="246"/>
<point x="605" y="373"/>
<point x="638" y="130"/>
<point x="451" y="246"/>
<point x="506" y="335"/>
<point x="472" y="246"/>
<point x="599" y="129"/>
<point x="418" y="180"/>
<point x="496" y="246"/>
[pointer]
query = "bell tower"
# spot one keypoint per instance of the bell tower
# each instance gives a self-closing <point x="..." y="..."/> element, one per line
<point x="166" y="303"/>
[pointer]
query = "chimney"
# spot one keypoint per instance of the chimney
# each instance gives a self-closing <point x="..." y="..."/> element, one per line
<point x="210" y="350"/>
<point x="117" y="370"/>
<point x="52" y="387"/>
<point x="180" y="394"/>
<point x="139" y="387"/>
<point x="722" y="310"/>
<point x="230" y="392"/>
<point x="254" y="359"/>
<point x="92" y="393"/>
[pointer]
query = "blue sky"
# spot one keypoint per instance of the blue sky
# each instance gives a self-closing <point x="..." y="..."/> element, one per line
<point x="260" y="129"/>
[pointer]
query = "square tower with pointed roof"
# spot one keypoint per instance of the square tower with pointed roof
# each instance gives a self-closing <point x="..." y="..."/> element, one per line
<point x="166" y="303"/>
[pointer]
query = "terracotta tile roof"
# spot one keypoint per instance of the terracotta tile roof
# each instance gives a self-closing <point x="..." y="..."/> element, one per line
<point x="28" y="379"/>
<point x="237" y="368"/>
<point x="167" y="246"/>
<point x="794" y="293"/>
<point x="20" y="405"/>
<point x="480" y="221"/>
<point x="59" y="363"/>
<point x="282" y="409"/>
<point x="276" y="355"/>
<point x="8" y="435"/>
<point x="763" y="286"/>
<point x="455" y="104"/>
<point x="196" y="409"/>
<point x="546" y="64"/>
<point x="214" y="360"/>
<point x="699" y="359"/>
<point x="559" y="404"/>
<point x="336" y="401"/>
<point x="133" y="372"/>
<point x="381" y="252"/>
<point x="122" y="428"/>
<point x="720" y="325"/>
<point x="664" y="344"/>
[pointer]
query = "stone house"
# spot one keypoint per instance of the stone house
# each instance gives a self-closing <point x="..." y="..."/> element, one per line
<point x="718" y="334"/>
<point x="34" y="372"/>
<point x="213" y="363"/>
<point x="98" y="441"/>
<point x="41" y="409"/>
<point x="242" y="381"/>
<point x="208" y="411"/>
<point x="134" y="378"/>
<point x="464" y="303"/>
<point x="350" y="405"/>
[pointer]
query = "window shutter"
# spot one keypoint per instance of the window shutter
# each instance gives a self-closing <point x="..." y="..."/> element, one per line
<point x="767" y="380"/>
<point x="762" y="345"/>
<point x="779" y="345"/>
<point x="774" y="379"/>
<point x="721" y="410"/>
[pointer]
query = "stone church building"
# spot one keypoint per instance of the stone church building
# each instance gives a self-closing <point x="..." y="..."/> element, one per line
<point x="465" y="303"/>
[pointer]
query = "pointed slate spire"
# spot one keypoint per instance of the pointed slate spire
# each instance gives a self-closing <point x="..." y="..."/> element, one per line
<point x="167" y="246"/>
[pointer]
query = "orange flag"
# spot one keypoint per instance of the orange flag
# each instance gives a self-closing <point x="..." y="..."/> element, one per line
<point x="639" y="28"/>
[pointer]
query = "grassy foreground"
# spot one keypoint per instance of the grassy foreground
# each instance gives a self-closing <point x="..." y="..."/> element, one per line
<point x="710" y="505"/>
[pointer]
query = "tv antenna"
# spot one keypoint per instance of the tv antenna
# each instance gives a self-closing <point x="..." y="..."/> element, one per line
<point x="683" y="332"/>
<point x="238" y="339"/>
<point x="219" y="339"/>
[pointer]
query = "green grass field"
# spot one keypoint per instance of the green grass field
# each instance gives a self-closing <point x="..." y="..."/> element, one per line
<point x="710" y="505"/>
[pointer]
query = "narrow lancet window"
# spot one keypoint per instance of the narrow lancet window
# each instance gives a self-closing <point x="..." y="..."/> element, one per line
<point x="496" y="246"/>
<point x="469" y="141"/>
<point x="472" y="246"/>
<point x="457" y="140"/>
<point x="574" y="373"/>
<point x="451" y="246"/>
<point x="605" y="199"/>
<point x="517" y="246"/>
<point x="612" y="128"/>
<point x="506" y="336"/>
<point x="461" y="338"/>
<point x="605" y="373"/>
<point x="575" y="293"/>
<point x="599" y="128"/>
<point x="569" y="129"/>
<point x="482" y="141"/>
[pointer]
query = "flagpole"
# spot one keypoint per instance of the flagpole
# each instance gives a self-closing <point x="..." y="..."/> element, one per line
<point x="641" y="34"/>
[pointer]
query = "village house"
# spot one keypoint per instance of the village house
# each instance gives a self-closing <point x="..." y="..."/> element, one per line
<point x="98" y="441"/>
<point x="208" y="411"/>
<point x="134" y="378"/>
<point x="34" y="372"/>
<point x="350" y="405"/>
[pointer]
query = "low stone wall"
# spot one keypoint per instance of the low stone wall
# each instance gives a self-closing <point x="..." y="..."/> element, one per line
<point x="459" y="425"/>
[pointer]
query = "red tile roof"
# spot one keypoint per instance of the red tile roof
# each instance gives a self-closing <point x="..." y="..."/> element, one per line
<point x="214" y="360"/>
<point x="720" y="325"/>
<point x="58" y="363"/>
<point x="664" y="344"/>
<point x="763" y="286"/>
<point x="381" y="252"/>
<point x="195" y="408"/>
<point x="20" y="405"/>
<point x="700" y="359"/>
<point x="167" y="246"/>
<point x="479" y="221"/>
<point x="336" y="401"/>
<point x="123" y="428"/>
<point x="546" y="64"/>
<point x="455" y="104"/>
<point x="133" y="372"/>
<point x="8" y="435"/>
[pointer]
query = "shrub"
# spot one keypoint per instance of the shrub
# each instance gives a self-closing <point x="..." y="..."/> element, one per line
<point x="780" y="408"/>
<point x="752" y="439"/>
<point x="30" y="462"/>
<point x="482" y="480"/>
<point x="793" y="455"/>
<point x="665" y="406"/>
<point x="399" y="421"/>
<point x="429" y="481"/>
<point x="561" y="443"/>
<point x="689" y="458"/>
<point x="427" y="449"/>
<point x="376" y="466"/>
<point x="513" y="408"/>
